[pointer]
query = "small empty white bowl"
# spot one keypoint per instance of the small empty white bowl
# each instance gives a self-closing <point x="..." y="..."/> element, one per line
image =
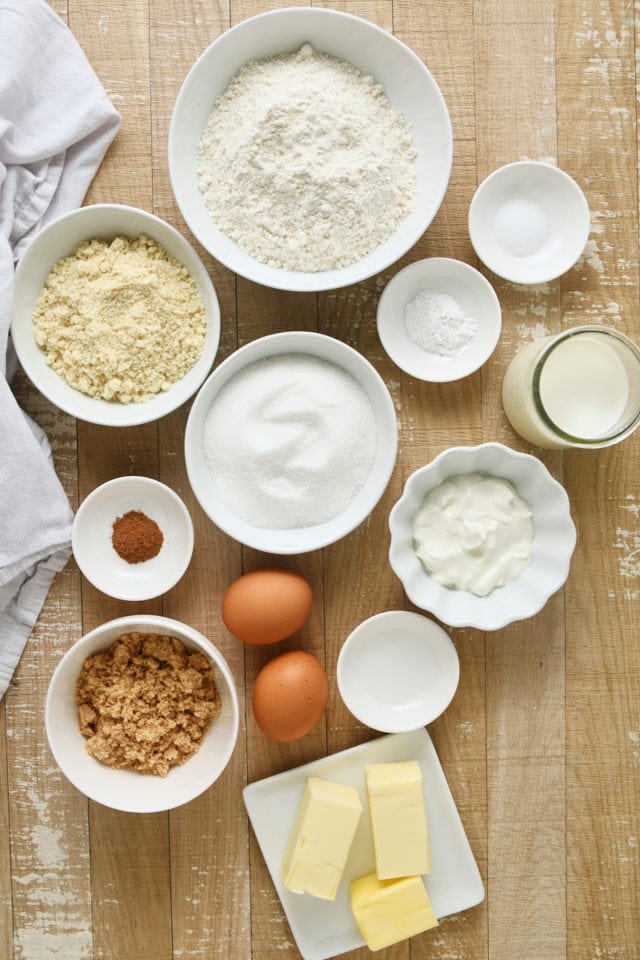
<point x="96" y="556"/>
<point x="397" y="671"/>
<point x="554" y="539"/>
<point x="529" y="222"/>
<point x="472" y="293"/>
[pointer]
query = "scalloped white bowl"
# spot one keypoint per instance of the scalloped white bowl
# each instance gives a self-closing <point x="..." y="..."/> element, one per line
<point x="554" y="539"/>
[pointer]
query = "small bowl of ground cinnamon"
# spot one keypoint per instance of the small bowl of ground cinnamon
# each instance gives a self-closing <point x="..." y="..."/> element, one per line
<point x="132" y="538"/>
<point x="142" y="714"/>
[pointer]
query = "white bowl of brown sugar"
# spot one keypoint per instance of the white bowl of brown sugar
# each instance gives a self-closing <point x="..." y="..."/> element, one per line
<point x="115" y="318"/>
<point x="132" y="538"/>
<point x="142" y="714"/>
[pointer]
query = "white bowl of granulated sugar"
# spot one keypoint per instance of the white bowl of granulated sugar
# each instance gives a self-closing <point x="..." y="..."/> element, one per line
<point x="291" y="442"/>
<point x="115" y="318"/>
<point x="439" y="319"/>
<point x="309" y="149"/>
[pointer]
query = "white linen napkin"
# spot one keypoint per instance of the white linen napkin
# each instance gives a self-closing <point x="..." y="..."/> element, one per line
<point x="56" y="123"/>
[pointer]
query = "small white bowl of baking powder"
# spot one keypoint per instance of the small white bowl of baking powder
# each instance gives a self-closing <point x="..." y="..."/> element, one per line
<point x="439" y="319"/>
<point x="529" y="221"/>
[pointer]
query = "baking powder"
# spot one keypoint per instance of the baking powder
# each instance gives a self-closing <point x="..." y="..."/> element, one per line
<point x="289" y="441"/>
<point x="437" y="323"/>
<point x="305" y="163"/>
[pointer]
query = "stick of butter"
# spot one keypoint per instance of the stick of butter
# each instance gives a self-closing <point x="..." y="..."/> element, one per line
<point x="398" y="819"/>
<point x="388" y="911"/>
<point x="321" y="838"/>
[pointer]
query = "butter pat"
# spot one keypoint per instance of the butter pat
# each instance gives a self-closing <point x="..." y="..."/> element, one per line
<point x="321" y="838"/>
<point x="388" y="911"/>
<point x="398" y="819"/>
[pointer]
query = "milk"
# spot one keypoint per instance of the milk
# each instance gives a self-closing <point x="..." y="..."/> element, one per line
<point x="584" y="387"/>
<point x="581" y="388"/>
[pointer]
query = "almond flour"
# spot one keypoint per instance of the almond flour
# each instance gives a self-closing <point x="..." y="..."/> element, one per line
<point x="305" y="163"/>
<point x="120" y="320"/>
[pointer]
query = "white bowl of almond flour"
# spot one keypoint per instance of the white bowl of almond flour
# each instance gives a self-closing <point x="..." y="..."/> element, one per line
<point x="115" y="318"/>
<point x="142" y="714"/>
<point x="309" y="149"/>
<point x="291" y="442"/>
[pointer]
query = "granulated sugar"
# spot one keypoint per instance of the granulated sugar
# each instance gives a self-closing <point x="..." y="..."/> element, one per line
<point x="305" y="163"/>
<point x="290" y="440"/>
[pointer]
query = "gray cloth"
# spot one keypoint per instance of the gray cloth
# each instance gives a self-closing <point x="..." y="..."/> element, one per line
<point x="56" y="123"/>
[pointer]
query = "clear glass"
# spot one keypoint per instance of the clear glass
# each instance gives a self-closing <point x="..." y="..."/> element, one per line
<point x="580" y="388"/>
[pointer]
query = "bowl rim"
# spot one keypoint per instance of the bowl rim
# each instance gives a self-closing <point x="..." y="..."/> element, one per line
<point x="477" y="612"/>
<point x="164" y="490"/>
<point x="490" y="342"/>
<point x="198" y="641"/>
<point x="551" y="170"/>
<point x="295" y="540"/>
<point x="433" y="633"/>
<point x="74" y="401"/>
<point x="235" y="259"/>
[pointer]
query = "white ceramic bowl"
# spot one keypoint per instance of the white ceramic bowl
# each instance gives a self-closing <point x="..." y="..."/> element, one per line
<point x="529" y="222"/>
<point x="408" y="84"/>
<point x="59" y="239"/>
<point x="93" y="527"/>
<point x="293" y="540"/>
<point x="471" y="291"/>
<point x="397" y="671"/>
<point x="554" y="539"/>
<point x="127" y="789"/>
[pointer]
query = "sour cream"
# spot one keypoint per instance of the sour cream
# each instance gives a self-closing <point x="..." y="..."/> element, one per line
<point x="473" y="532"/>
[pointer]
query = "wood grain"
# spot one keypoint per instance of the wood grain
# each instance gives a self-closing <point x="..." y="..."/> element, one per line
<point x="541" y="744"/>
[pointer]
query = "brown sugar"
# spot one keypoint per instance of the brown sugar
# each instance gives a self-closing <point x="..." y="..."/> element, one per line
<point x="145" y="702"/>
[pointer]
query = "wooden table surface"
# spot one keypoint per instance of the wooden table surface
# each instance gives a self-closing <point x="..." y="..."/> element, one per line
<point x="541" y="745"/>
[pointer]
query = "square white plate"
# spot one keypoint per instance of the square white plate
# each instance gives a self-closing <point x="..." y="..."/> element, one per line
<point x="322" y="928"/>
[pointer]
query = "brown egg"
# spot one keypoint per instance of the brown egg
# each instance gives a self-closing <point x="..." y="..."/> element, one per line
<point x="290" y="695"/>
<point x="266" y="606"/>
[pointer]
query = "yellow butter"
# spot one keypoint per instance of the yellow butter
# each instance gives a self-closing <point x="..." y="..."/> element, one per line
<point x="388" y="911"/>
<point x="398" y="819"/>
<point x="321" y="838"/>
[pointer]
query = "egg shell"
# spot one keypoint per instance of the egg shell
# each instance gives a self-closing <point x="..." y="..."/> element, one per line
<point x="290" y="695"/>
<point x="266" y="606"/>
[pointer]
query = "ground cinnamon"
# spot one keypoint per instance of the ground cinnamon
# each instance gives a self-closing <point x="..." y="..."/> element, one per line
<point x="136" y="537"/>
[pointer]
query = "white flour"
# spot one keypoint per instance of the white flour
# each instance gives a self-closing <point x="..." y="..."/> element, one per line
<point x="305" y="163"/>
<point x="437" y="323"/>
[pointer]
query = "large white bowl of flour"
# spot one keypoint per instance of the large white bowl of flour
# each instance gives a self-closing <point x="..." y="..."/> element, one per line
<point x="291" y="442"/>
<point x="411" y="92"/>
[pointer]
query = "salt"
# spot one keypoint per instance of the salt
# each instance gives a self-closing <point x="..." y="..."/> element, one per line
<point x="437" y="323"/>
<point x="521" y="227"/>
<point x="289" y="441"/>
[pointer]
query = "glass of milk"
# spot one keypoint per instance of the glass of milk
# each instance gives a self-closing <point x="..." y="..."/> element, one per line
<point x="580" y="388"/>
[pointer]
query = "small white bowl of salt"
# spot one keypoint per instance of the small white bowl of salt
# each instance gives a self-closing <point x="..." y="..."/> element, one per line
<point x="439" y="319"/>
<point x="529" y="222"/>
